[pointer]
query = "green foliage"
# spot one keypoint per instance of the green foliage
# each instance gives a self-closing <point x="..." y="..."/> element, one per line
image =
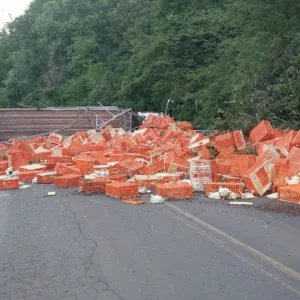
<point x="227" y="64"/>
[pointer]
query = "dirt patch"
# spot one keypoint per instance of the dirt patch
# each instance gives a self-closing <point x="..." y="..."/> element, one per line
<point x="277" y="206"/>
<point x="259" y="203"/>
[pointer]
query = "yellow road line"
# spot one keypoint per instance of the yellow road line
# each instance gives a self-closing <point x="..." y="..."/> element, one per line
<point x="211" y="232"/>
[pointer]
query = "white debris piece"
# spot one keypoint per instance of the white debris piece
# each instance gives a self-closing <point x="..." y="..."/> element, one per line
<point x="15" y="174"/>
<point x="8" y="171"/>
<point x="33" y="167"/>
<point x="144" y="190"/>
<point x="246" y="196"/>
<point x="34" y="180"/>
<point x="102" y="173"/>
<point x="90" y="176"/>
<point x="232" y="196"/>
<point x="24" y="186"/>
<point x="273" y="196"/>
<point x="185" y="181"/>
<point x="241" y="203"/>
<point x="214" y="195"/>
<point x="294" y="180"/>
<point x="155" y="199"/>
<point x="224" y="193"/>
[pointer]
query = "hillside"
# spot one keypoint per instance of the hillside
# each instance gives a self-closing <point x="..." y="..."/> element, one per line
<point x="226" y="63"/>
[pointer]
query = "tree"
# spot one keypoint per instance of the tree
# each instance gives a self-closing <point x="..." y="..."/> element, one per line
<point x="227" y="64"/>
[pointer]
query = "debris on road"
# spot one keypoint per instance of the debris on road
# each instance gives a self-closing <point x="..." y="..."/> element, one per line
<point x="241" y="203"/>
<point x="24" y="186"/>
<point x="214" y="195"/>
<point x="134" y="200"/>
<point x="246" y="196"/>
<point x="273" y="196"/>
<point x="223" y="194"/>
<point x="155" y="199"/>
<point x="163" y="155"/>
<point x="144" y="190"/>
<point x="51" y="194"/>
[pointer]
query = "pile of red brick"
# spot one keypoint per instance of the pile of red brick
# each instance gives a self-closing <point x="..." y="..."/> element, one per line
<point x="157" y="156"/>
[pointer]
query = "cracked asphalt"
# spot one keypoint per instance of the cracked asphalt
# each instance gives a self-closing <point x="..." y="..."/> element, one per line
<point x="76" y="247"/>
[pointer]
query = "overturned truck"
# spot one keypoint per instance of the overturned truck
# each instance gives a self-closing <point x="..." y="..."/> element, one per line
<point x="26" y="122"/>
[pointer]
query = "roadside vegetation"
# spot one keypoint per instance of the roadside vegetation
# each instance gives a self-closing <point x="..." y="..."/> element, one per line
<point x="226" y="63"/>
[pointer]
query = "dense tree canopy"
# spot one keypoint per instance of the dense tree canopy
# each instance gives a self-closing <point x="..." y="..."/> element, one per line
<point x="226" y="63"/>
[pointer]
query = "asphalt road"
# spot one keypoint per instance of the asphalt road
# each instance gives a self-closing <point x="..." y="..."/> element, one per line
<point x="73" y="246"/>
